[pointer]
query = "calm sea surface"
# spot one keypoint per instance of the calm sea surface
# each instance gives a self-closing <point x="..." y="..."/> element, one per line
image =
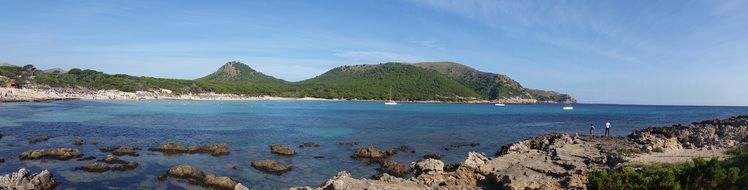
<point x="250" y="126"/>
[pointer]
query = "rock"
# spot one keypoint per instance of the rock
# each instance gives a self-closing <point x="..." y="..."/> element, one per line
<point x="185" y="172"/>
<point x="79" y="141"/>
<point x="270" y="166"/>
<point x="370" y="152"/>
<point x="23" y="180"/>
<point x="197" y="177"/>
<point x="94" y="167"/>
<point x="344" y="181"/>
<point x="432" y="156"/>
<point x="111" y="162"/>
<point x="213" y="149"/>
<point x="405" y="148"/>
<point x="308" y="145"/>
<point x="391" y="152"/>
<point x="429" y="167"/>
<point x="394" y="168"/>
<point x="220" y="182"/>
<point x="170" y="148"/>
<point x="34" y="140"/>
<point x="125" y="165"/>
<point x="281" y="150"/>
<point x="53" y="153"/>
<point x="121" y="151"/>
<point x="475" y="160"/>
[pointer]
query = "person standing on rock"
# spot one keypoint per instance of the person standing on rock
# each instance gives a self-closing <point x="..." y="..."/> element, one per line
<point x="607" y="128"/>
<point x="592" y="129"/>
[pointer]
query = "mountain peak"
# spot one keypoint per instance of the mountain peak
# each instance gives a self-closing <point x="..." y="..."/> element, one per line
<point x="234" y="71"/>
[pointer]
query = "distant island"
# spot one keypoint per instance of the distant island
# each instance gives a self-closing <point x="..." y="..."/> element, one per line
<point x="428" y="81"/>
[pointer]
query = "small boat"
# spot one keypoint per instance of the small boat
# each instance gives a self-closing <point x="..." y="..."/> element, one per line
<point x="568" y="108"/>
<point x="389" y="101"/>
<point x="500" y="104"/>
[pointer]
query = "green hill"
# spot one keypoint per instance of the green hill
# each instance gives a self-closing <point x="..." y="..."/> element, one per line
<point x="234" y="71"/>
<point x="445" y="81"/>
<point x="95" y="80"/>
<point x="372" y="82"/>
<point x="489" y="85"/>
<point x="492" y="86"/>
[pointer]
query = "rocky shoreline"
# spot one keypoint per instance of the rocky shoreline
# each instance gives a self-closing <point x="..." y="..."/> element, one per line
<point x="551" y="161"/>
<point x="555" y="161"/>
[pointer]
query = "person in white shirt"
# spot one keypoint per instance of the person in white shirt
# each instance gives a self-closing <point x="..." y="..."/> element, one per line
<point x="607" y="128"/>
<point x="592" y="129"/>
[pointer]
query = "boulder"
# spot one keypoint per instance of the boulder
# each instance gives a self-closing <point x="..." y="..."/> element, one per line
<point x="34" y="140"/>
<point x="185" y="172"/>
<point x="282" y="150"/>
<point x="370" y="152"/>
<point x="475" y="160"/>
<point x="197" y="177"/>
<point x="121" y="151"/>
<point x="394" y="168"/>
<point x="53" y="153"/>
<point x="429" y="167"/>
<point x="23" y="180"/>
<point x="270" y="166"/>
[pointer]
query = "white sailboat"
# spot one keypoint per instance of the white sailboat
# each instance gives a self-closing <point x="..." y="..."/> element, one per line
<point x="389" y="100"/>
<point x="499" y="98"/>
<point x="568" y="106"/>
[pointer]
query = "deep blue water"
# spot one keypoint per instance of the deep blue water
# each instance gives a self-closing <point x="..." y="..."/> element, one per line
<point x="250" y="126"/>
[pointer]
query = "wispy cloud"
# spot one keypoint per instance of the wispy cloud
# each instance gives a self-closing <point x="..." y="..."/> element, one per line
<point x="378" y="56"/>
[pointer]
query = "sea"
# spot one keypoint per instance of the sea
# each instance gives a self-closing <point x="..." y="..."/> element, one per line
<point x="249" y="127"/>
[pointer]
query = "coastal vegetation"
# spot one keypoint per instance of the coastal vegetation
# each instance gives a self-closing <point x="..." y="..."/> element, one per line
<point x="436" y="81"/>
<point x="700" y="173"/>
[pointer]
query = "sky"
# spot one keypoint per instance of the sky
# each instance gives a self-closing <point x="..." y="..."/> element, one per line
<point x="621" y="52"/>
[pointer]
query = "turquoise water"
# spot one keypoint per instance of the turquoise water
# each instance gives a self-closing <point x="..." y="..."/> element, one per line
<point x="250" y="126"/>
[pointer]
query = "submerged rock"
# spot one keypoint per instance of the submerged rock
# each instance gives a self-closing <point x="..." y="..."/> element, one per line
<point x="176" y="148"/>
<point x="111" y="162"/>
<point x="282" y="150"/>
<point x="348" y="143"/>
<point x="87" y="158"/>
<point x="23" y="180"/>
<point x="94" y="167"/>
<point x="197" y="177"/>
<point x="79" y="141"/>
<point x="308" y="145"/>
<point x="121" y="151"/>
<point x="270" y="166"/>
<point x="34" y="140"/>
<point x="53" y="153"/>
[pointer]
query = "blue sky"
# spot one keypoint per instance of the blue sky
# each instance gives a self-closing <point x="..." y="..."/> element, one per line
<point x="629" y="52"/>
